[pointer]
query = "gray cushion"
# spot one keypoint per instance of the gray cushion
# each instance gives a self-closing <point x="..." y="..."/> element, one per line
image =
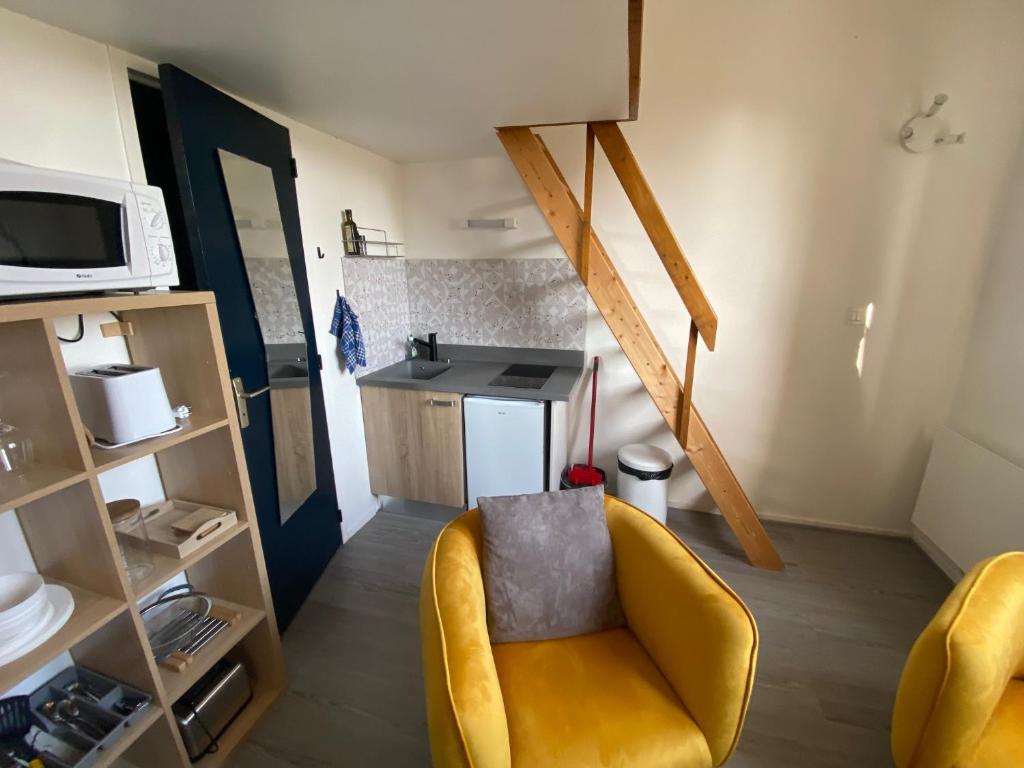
<point x="548" y="565"/>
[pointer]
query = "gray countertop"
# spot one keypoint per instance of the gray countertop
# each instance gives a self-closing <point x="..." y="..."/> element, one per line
<point x="472" y="368"/>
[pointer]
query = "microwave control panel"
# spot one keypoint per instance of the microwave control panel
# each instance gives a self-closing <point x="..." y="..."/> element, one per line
<point x="157" y="230"/>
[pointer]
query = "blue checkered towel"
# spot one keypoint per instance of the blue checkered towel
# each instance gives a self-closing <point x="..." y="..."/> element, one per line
<point x="345" y="326"/>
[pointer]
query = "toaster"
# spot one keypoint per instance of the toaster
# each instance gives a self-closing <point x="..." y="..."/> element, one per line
<point x="122" y="403"/>
<point x="208" y="707"/>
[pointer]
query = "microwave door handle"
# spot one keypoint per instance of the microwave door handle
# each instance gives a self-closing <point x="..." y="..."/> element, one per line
<point x="126" y="230"/>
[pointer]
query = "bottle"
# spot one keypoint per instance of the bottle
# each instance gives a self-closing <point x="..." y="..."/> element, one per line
<point x="350" y="234"/>
<point x="410" y="348"/>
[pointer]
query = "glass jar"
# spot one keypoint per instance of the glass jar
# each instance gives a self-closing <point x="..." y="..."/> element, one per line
<point x="132" y="539"/>
<point x="15" y="450"/>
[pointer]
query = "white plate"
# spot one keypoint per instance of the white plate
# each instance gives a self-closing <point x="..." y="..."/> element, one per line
<point x="12" y="644"/>
<point x="14" y="630"/>
<point x="20" y="593"/>
<point x="63" y="606"/>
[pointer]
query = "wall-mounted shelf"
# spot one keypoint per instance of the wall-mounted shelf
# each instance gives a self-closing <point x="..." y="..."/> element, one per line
<point x="381" y="247"/>
<point x="61" y="512"/>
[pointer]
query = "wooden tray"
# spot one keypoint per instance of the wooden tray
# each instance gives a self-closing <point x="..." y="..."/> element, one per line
<point x="177" y="528"/>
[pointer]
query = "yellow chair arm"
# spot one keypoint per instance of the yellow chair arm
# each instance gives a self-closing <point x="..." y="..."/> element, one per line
<point x="960" y="666"/>
<point x="465" y="710"/>
<point x="699" y="633"/>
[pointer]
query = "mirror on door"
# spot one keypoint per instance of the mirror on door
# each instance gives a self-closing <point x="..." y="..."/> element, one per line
<point x="253" y="199"/>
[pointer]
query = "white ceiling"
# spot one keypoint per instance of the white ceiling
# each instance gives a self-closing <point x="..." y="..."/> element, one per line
<point x="408" y="79"/>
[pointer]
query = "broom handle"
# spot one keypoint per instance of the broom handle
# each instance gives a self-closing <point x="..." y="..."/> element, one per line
<point x="593" y="412"/>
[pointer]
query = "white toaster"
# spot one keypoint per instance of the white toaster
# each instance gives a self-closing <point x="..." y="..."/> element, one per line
<point x="122" y="403"/>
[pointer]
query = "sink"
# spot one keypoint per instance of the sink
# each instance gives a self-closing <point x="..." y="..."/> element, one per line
<point x="422" y="370"/>
<point x="287" y="366"/>
<point x="288" y="371"/>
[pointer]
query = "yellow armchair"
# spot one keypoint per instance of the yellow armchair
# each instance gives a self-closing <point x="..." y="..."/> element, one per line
<point x="669" y="689"/>
<point x="960" y="702"/>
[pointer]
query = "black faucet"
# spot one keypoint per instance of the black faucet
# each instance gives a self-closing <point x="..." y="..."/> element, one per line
<point x="430" y="345"/>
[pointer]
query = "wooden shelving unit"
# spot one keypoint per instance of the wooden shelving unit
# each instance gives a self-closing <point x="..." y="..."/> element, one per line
<point x="62" y="514"/>
<point x="110" y="756"/>
<point x="194" y="426"/>
<point x="176" y="683"/>
<point x="166" y="568"/>
<point x="37" y="482"/>
<point x="92" y="611"/>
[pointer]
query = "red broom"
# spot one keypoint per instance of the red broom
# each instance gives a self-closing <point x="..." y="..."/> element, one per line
<point x="581" y="475"/>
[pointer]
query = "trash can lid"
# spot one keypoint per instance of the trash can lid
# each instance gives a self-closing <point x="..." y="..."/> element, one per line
<point x="644" y="457"/>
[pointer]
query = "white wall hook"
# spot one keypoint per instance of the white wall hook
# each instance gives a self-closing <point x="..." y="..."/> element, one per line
<point x="920" y="134"/>
<point x="940" y="99"/>
<point x="953" y="138"/>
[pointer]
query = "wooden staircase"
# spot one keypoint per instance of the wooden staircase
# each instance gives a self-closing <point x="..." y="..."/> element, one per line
<point x="572" y="227"/>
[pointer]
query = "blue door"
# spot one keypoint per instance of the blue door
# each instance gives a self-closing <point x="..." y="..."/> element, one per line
<point x="235" y="178"/>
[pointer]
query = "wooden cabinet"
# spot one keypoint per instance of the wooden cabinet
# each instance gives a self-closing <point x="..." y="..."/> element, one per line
<point x="414" y="444"/>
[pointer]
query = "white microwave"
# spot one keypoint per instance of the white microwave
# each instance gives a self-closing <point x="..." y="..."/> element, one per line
<point x="63" y="232"/>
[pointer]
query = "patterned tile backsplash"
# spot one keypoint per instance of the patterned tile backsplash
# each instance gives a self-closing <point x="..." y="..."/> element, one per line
<point x="273" y="293"/>
<point x="378" y="291"/>
<point x="492" y="302"/>
<point x="498" y="302"/>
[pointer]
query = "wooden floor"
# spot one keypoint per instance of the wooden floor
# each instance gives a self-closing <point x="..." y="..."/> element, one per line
<point x="835" y="628"/>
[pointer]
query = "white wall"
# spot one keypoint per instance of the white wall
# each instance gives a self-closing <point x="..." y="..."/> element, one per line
<point x="67" y="105"/>
<point x="438" y="197"/>
<point x="969" y="506"/>
<point x="989" y="403"/>
<point x="768" y="132"/>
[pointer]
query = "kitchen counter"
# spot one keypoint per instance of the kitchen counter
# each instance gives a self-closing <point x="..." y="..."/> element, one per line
<point x="472" y="368"/>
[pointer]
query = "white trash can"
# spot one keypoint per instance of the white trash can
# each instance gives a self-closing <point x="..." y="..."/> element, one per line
<point x="644" y="471"/>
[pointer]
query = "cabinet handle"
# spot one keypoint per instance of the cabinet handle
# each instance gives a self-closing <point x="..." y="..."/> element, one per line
<point x="443" y="403"/>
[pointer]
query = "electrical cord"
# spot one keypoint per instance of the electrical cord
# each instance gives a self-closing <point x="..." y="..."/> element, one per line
<point x="81" y="329"/>
<point x="214" y="745"/>
<point x="79" y="336"/>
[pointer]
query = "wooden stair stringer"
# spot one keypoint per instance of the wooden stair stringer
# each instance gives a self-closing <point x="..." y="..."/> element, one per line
<point x="564" y="215"/>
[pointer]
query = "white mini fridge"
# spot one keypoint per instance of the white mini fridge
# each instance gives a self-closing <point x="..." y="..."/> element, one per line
<point x="505" y="446"/>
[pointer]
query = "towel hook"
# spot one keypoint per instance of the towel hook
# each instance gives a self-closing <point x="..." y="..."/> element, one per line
<point x="919" y="139"/>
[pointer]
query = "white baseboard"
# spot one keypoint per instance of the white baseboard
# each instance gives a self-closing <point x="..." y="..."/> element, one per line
<point x="935" y="554"/>
<point x="350" y="525"/>
<point x="814" y="523"/>
<point x="898" y="533"/>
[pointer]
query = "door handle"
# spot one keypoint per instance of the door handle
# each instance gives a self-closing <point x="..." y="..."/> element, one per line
<point x="242" y="399"/>
<point x="443" y="403"/>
